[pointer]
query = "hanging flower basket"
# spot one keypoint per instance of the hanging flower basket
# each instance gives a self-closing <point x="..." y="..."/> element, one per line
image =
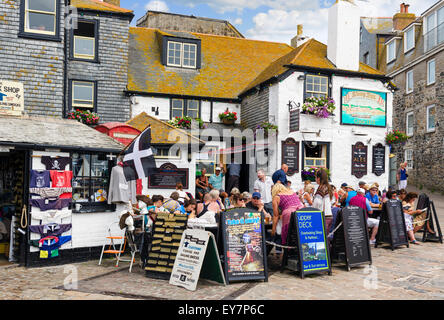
<point x="310" y="173"/>
<point x="228" y="122"/>
<point x="228" y="117"/>
<point x="395" y="136"/>
<point x="87" y="117"/>
<point x="185" y="122"/>
<point x="320" y="107"/>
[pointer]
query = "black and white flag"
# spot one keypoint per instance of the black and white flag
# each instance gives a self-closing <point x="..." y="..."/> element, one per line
<point x="138" y="159"/>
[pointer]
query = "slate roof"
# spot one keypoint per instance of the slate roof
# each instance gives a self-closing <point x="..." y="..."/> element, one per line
<point x="228" y="65"/>
<point x="98" y="5"/>
<point x="310" y="54"/>
<point x="378" y="25"/>
<point x="54" y="132"/>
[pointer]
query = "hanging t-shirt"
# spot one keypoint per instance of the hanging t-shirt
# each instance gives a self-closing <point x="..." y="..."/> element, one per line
<point x="51" y="215"/>
<point x="51" y="229"/>
<point x="55" y="163"/>
<point x="51" y="192"/>
<point x="49" y="246"/>
<point x="47" y="204"/>
<point x="61" y="179"/>
<point x="40" y="179"/>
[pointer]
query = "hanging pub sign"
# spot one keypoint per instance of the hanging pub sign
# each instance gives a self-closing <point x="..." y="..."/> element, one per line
<point x="166" y="177"/>
<point x="392" y="228"/>
<point x="378" y="159"/>
<point x="11" y="98"/>
<point x="363" y="107"/>
<point x="359" y="160"/>
<point x="351" y="238"/>
<point x="290" y="155"/>
<point x="307" y="232"/>
<point x="294" y="115"/>
<point x="243" y="238"/>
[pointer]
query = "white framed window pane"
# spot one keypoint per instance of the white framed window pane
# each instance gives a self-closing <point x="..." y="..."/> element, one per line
<point x="83" y="91"/>
<point x="409" y="124"/>
<point x="431" y="72"/>
<point x="41" y="5"/>
<point x="177" y="104"/>
<point x="41" y="22"/>
<point x="431" y="22"/>
<point x="309" y="86"/>
<point x="309" y="162"/>
<point x="409" y="81"/>
<point x="431" y="118"/>
<point x="391" y="51"/>
<point x="409" y="39"/>
<point x="177" y="113"/>
<point x="440" y="16"/>
<point x="174" y="53"/>
<point x="84" y="46"/>
<point x="189" y="53"/>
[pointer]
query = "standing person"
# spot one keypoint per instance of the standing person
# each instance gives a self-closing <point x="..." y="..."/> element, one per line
<point x="307" y="196"/>
<point x="234" y="170"/>
<point x="323" y="196"/>
<point x="263" y="185"/>
<point x="215" y="181"/>
<point x="202" y="186"/>
<point x="401" y="176"/>
<point x="280" y="176"/>
<point x="288" y="201"/>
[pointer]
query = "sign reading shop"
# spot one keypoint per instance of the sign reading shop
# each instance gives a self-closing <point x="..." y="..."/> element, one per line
<point x="362" y="107"/>
<point x="11" y="98"/>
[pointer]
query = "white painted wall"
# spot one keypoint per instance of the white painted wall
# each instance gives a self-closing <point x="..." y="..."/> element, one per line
<point x="341" y="137"/>
<point x="343" y="35"/>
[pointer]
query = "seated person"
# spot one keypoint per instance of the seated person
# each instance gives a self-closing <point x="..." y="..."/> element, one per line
<point x="257" y="205"/>
<point x="373" y="197"/>
<point x="182" y="194"/>
<point x="202" y="185"/>
<point x="247" y="196"/>
<point x="350" y="193"/>
<point x="216" y="179"/>
<point x="307" y="196"/>
<point x="361" y="201"/>
<point x="409" y="213"/>
<point x="153" y="209"/>
<point x="172" y="204"/>
<point x="390" y="195"/>
<point x="189" y="207"/>
<point x="238" y="201"/>
<point x="204" y="211"/>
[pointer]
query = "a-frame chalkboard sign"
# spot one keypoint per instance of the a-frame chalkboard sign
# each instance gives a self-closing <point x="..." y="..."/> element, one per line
<point x="431" y="219"/>
<point x="307" y="233"/>
<point x="392" y="228"/>
<point x="244" y="252"/>
<point x="351" y="239"/>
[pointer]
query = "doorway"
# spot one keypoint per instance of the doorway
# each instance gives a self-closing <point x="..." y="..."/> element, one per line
<point x="13" y="181"/>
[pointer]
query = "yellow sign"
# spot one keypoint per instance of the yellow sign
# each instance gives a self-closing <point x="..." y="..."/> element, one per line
<point x="11" y="98"/>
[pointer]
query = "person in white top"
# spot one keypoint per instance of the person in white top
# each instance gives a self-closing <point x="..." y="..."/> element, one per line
<point x="307" y="196"/>
<point x="323" y="196"/>
<point x="182" y="194"/>
<point x="263" y="185"/>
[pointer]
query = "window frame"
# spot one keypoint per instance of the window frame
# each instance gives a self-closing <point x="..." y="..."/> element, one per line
<point x="411" y="29"/>
<point x="327" y="145"/>
<point x="71" y="95"/>
<point x="185" y="107"/>
<point x="72" y="55"/>
<point x="428" y="71"/>
<point x="393" y="42"/>
<point x="407" y="124"/>
<point x="407" y="91"/>
<point x="214" y="161"/>
<point x="307" y="93"/>
<point x="428" y="130"/>
<point x="182" y="42"/>
<point x="167" y="147"/>
<point x="408" y="159"/>
<point x="24" y="32"/>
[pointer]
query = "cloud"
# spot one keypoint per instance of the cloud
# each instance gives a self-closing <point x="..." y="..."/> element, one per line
<point x="156" y="5"/>
<point x="238" y="21"/>
<point x="281" y="25"/>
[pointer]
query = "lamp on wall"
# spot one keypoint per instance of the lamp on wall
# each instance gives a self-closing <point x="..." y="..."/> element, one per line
<point x="301" y="77"/>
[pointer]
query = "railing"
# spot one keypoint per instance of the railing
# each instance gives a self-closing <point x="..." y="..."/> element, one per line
<point x="434" y="37"/>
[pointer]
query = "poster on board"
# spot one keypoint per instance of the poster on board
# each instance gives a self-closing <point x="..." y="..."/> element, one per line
<point x="363" y="107"/>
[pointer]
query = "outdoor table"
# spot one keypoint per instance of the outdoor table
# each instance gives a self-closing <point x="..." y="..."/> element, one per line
<point x="376" y="213"/>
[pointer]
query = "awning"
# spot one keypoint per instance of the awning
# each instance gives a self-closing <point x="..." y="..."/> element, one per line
<point x="47" y="132"/>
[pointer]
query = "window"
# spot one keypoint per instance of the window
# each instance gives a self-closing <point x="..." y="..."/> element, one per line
<point x="315" y="155"/>
<point x="40" y="19"/>
<point x="409" y="124"/>
<point x="434" y="29"/>
<point x="409" y="158"/>
<point x="91" y="175"/>
<point x="366" y="58"/>
<point x="316" y="86"/>
<point x="360" y="35"/>
<point x="181" y="108"/>
<point x="84" y="40"/>
<point x="206" y="158"/>
<point x="409" y="81"/>
<point x="163" y="152"/>
<point x="391" y="51"/>
<point x="83" y="94"/>
<point x="181" y="54"/>
<point x="409" y="39"/>
<point x="431" y="72"/>
<point x="431" y="116"/>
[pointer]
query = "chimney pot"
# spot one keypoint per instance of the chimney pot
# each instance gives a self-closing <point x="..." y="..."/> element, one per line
<point x="406" y="8"/>
<point x="300" y="29"/>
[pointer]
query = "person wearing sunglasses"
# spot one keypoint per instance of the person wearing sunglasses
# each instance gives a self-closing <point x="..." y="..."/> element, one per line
<point x="257" y="204"/>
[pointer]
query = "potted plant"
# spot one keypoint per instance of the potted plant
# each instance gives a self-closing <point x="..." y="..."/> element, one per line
<point x="228" y="117"/>
<point x="268" y="129"/>
<point x="310" y="173"/>
<point x="321" y="107"/>
<point x="185" y="122"/>
<point x="87" y="117"/>
<point x="395" y="136"/>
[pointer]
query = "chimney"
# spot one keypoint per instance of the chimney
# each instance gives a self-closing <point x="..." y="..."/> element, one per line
<point x="403" y="18"/>
<point x="343" y="35"/>
<point x="298" y="40"/>
<point x="114" y="2"/>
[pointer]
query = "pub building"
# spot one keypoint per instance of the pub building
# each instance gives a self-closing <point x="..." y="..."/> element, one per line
<point x="350" y="141"/>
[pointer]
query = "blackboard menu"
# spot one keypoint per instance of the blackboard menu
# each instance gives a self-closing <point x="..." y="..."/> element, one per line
<point x="244" y="245"/>
<point x="167" y="176"/>
<point x="290" y="155"/>
<point x="378" y="167"/>
<point x="359" y="160"/>
<point x="294" y="120"/>
<point x="356" y="236"/>
<point x="392" y="225"/>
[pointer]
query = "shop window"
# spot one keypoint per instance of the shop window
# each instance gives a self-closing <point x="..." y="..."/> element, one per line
<point x="431" y="72"/>
<point x="207" y="158"/>
<point x="409" y="124"/>
<point x="431" y="117"/>
<point x="316" y="86"/>
<point x="409" y="158"/>
<point x="315" y="155"/>
<point x="181" y="108"/>
<point x="84" y="41"/>
<point x="40" y="19"/>
<point x="83" y="95"/>
<point x="91" y="176"/>
<point x="165" y="152"/>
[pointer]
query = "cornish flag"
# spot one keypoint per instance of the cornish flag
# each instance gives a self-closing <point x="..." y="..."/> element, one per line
<point x="138" y="158"/>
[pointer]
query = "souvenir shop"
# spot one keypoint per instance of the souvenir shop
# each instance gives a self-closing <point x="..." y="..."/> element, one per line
<point x="53" y="191"/>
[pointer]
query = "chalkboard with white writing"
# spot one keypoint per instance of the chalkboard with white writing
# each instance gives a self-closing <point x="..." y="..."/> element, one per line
<point x="392" y="227"/>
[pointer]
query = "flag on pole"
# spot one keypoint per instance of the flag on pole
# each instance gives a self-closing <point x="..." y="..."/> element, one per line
<point x="138" y="158"/>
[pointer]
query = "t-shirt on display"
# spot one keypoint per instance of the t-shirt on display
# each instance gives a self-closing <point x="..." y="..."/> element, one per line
<point x="61" y="179"/>
<point x="40" y="179"/>
<point x="55" y="163"/>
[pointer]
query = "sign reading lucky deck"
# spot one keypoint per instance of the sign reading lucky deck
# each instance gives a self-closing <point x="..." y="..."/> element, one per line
<point x="312" y="241"/>
<point x="11" y="98"/>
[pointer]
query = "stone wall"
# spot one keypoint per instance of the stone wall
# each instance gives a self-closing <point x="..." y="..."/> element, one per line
<point x="111" y="71"/>
<point x="38" y="64"/>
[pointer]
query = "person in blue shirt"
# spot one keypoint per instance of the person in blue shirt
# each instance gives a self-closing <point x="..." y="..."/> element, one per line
<point x="280" y="175"/>
<point x="188" y="207"/>
<point x="216" y="179"/>
<point x="373" y="197"/>
<point x="350" y="194"/>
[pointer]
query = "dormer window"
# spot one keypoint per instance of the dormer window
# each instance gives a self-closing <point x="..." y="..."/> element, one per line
<point x="181" y="52"/>
<point x="391" y="51"/>
<point x="409" y="39"/>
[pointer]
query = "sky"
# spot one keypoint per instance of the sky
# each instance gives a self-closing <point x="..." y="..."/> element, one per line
<point x="272" y="20"/>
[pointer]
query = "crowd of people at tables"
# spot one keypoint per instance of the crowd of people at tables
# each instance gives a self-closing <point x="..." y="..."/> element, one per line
<point x="275" y="197"/>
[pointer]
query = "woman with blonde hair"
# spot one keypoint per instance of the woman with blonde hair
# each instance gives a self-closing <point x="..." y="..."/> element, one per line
<point x="323" y="196"/>
<point x="287" y="201"/>
<point x="307" y="196"/>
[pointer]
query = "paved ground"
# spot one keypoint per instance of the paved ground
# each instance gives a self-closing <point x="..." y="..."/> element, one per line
<point x="406" y="273"/>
